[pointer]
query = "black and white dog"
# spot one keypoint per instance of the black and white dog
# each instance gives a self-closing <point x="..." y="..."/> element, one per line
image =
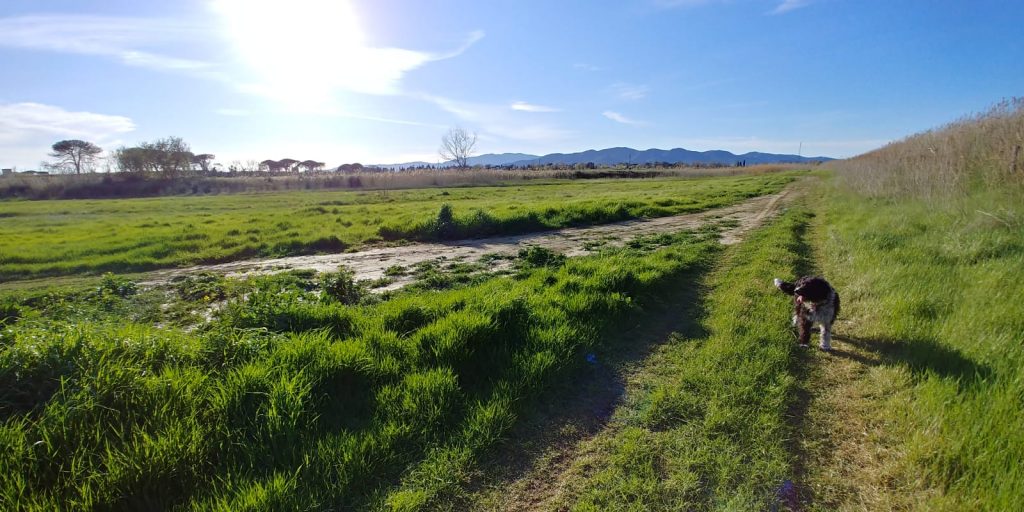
<point x="815" y="302"/>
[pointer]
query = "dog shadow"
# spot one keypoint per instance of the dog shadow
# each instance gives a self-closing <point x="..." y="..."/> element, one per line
<point x="922" y="356"/>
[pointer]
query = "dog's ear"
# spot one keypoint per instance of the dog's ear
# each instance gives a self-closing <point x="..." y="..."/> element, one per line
<point x="787" y="288"/>
<point x="814" y="289"/>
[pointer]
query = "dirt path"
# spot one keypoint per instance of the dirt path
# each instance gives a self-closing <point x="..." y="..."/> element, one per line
<point x="534" y="470"/>
<point x="545" y="450"/>
<point x="845" y="463"/>
<point x="372" y="263"/>
<point x="845" y="452"/>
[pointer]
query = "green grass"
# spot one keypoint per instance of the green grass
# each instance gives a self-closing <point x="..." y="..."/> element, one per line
<point x="707" y="425"/>
<point x="74" y="237"/>
<point x="935" y="294"/>
<point x="290" y="399"/>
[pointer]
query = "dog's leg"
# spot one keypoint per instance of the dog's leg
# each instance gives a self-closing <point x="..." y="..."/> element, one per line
<point x="804" y="332"/>
<point x="802" y="324"/>
<point x="826" y="337"/>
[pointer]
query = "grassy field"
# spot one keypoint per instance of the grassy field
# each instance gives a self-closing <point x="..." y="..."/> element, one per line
<point x="303" y="391"/>
<point x="127" y="185"/>
<point x="927" y="237"/>
<point x="935" y="324"/>
<point x="919" y="405"/>
<point x="51" y="238"/>
<point x="291" y="398"/>
<point x="706" y="424"/>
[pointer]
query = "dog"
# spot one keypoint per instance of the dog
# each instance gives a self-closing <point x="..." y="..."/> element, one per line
<point x="814" y="302"/>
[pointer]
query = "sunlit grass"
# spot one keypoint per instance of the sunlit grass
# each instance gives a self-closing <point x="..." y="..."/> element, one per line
<point x="48" y="238"/>
<point x="936" y="291"/>
<point x="706" y="427"/>
<point x="290" y="399"/>
<point x="984" y="149"/>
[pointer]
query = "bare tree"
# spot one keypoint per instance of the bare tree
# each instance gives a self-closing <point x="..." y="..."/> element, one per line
<point x="457" y="145"/>
<point x="74" y="155"/>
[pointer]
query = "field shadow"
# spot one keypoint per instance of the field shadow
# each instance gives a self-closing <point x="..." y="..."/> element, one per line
<point x="922" y="356"/>
<point x="579" y="405"/>
<point x="793" y="495"/>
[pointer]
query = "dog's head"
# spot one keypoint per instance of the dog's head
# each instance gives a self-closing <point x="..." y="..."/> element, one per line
<point x="806" y="289"/>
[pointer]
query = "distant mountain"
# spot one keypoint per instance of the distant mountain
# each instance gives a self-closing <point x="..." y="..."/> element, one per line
<point x="488" y="159"/>
<point x="406" y="165"/>
<point x="613" y="156"/>
<point x="493" y="159"/>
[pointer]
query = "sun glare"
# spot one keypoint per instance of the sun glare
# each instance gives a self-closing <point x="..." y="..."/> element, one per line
<point x="301" y="49"/>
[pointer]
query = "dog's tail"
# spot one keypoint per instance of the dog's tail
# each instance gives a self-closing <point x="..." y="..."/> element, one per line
<point x="787" y="288"/>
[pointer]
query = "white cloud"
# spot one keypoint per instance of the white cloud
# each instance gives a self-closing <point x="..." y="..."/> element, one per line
<point x="498" y="121"/>
<point x="529" y="107"/>
<point x="630" y="91"/>
<point x="464" y="110"/>
<point x="21" y="120"/>
<point x="381" y="70"/>
<point x="161" y="62"/>
<point x="275" y="39"/>
<point x="27" y="130"/>
<point x="790" y="5"/>
<point x="114" y="37"/>
<point x="619" y="118"/>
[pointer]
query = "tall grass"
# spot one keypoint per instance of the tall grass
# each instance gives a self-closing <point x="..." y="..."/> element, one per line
<point x="933" y="283"/>
<point x="937" y="292"/>
<point x="288" y="402"/>
<point x="983" y="150"/>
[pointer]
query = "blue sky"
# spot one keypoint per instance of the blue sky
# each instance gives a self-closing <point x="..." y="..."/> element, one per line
<point x="380" y="81"/>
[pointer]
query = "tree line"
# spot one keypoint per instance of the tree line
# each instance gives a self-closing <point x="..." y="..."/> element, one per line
<point x="169" y="157"/>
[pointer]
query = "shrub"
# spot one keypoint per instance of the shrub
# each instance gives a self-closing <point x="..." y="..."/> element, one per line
<point x="444" y="226"/>
<point x="202" y="286"/>
<point x="341" y="287"/>
<point x="533" y="257"/>
<point x="116" y="285"/>
<point x="10" y="312"/>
